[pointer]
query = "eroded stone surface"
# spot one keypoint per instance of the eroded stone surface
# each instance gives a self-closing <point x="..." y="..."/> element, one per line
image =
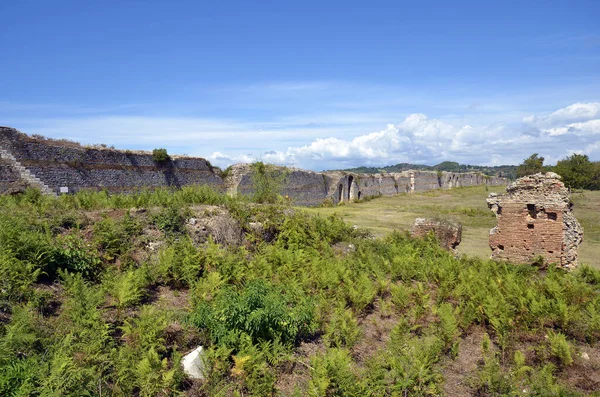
<point x="448" y="233"/>
<point x="535" y="218"/>
<point x="215" y="223"/>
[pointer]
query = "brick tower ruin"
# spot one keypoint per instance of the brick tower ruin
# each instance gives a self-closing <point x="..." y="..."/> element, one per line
<point x="535" y="219"/>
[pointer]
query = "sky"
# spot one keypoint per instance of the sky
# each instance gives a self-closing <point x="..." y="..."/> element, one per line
<point x="311" y="84"/>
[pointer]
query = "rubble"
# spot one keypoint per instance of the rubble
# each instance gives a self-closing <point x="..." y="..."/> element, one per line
<point x="448" y="233"/>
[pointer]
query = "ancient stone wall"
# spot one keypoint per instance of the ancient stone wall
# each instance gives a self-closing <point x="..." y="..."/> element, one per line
<point x="10" y="180"/>
<point x="535" y="219"/>
<point x="59" y="165"/>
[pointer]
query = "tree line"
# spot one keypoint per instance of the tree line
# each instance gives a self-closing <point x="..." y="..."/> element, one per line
<point x="577" y="171"/>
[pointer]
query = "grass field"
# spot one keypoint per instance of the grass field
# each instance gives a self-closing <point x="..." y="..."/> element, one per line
<point x="466" y="205"/>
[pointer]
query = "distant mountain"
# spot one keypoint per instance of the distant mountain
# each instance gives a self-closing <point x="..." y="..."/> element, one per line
<point x="507" y="171"/>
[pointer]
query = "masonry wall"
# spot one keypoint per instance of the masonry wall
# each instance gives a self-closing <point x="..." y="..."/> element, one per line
<point x="520" y="237"/>
<point x="306" y="188"/>
<point x="59" y="164"/>
<point x="10" y="180"/>
<point x="535" y="219"/>
<point x="79" y="168"/>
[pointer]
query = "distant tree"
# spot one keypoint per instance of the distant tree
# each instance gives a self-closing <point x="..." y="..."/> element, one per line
<point x="578" y="172"/>
<point x="449" y="166"/>
<point x="595" y="185"/>
<point x="531" y="165"/>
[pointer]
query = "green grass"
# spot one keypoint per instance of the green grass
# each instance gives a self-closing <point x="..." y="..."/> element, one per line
<point x="465" y="205"/>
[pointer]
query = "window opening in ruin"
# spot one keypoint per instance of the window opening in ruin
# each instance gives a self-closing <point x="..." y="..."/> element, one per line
<point x="552" y="216"/>
<point x="500" y="247"/>
<point x="530" y="226"/>
<point x="350" y="179"/>
<point x="359" y="194"/>
<point x="531" y="210"/>
<point x="340" y="193"/>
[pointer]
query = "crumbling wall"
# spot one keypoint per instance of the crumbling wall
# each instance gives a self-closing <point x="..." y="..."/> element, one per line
<point x="76" y="167"/>
<point x="535" y="219"/>
<point x="63" y="164"/>
<point x="448" y="233"/>
<point x="10" y="179"/>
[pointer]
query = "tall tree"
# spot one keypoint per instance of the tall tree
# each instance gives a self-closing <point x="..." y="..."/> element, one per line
<point x="577" y="171"/>
<point x="531" y="165"/>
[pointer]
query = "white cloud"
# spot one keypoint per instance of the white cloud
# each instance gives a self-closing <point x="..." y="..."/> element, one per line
<point x="419" y="139"/>
<point x="577" y="112"/>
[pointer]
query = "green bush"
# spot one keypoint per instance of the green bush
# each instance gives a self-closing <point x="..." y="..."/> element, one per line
<point x="332" y="375"/>
<point x="160" y="155"/>
<point x="170" y="220"/>
<point x="560" y="349"/>
<point x="342" y="329"/>
<point x="267" y="181"/>
<point x="256" y="313"/>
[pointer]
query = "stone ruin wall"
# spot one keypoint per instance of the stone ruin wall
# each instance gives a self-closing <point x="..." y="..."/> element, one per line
<point x="535" y="218"/>
<point x="10" y="180"/>
<point x="68" y="165"/>
<point x="58" y="165"/>
<point x="447" y="233"/>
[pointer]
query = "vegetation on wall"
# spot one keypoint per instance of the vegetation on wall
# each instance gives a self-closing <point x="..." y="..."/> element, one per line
<point x="160" y="155"/>
<point x="267" y="181"/>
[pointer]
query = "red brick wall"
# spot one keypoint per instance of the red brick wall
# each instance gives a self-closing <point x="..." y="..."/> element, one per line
<point x="524" y="233"/>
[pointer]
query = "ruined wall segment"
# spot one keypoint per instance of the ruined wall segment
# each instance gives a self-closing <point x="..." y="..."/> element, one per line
<point x="10" y="179"/>
<point x="535" y="218"/>
<point x="447" y="232"/>
<point x="54" y="164"/>
<point x="76" y="167"/>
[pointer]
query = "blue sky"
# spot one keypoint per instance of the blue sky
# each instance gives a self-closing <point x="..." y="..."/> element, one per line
<point x="318" y="85"/>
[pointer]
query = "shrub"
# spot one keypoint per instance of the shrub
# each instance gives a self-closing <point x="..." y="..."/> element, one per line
<point x="170" y="220"/>
<point x="332" y="375"/>
<point x="129" y="288"/>
<point x="267" y="182"/>
<point x="448" y="326"/>
<point x="16" y="279"/>
<point x="258" y="312"/>
<point x="560" y="348"/>
<point x="342" y="330"/>
<point x="180" y="264"/>
<point x="74" y="255"/>
<point x="160" y="155"/>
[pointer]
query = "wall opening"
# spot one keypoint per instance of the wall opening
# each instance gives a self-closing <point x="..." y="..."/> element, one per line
<point x="531" y="210"/>
<point x="340" y="193"/>
<point x="350" y="180"/>
<point x="530" y="226"/>
<point x="552" y="216"/>
<point x="359" y="194"/>
<point x="500" y="247"/>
